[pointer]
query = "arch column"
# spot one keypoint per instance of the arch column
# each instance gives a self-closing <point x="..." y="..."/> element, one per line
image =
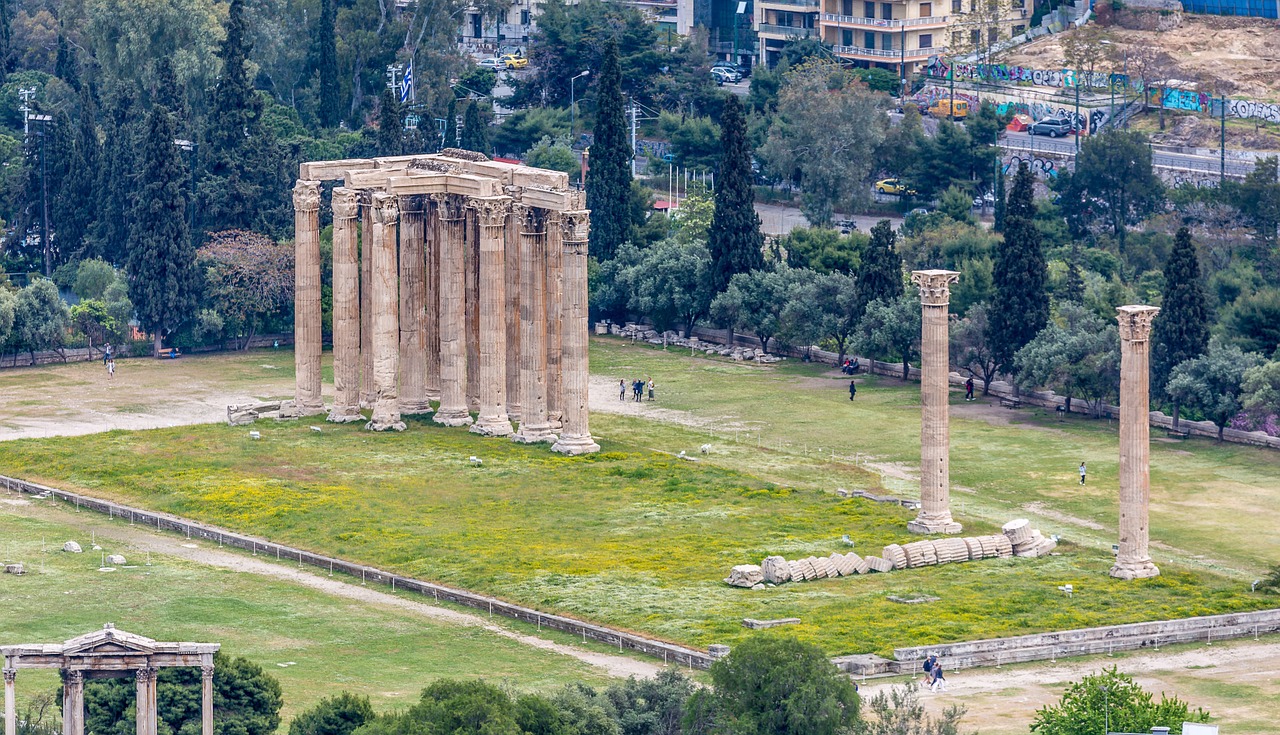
<point x="453" y="337"/>
<point x="534" y="426"/>
<point x="1133" y="560"/>
<point x="935" y="431"/>
<point x="413" y="308"/>
<point x="386" y="316"/>
<point x="491" y="218"/>
<point x="575" y="437"/>
<point x="346" y="307"/>
<point x="308" y="400"/>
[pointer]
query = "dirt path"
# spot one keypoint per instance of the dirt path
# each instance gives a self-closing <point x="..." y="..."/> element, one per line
<point x="202" y="553"/>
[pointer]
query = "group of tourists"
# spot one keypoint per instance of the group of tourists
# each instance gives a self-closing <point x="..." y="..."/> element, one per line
<point x="638" y="388"/>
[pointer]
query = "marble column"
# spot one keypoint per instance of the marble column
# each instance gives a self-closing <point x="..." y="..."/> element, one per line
<point x="575" y="436"/>
<point x="471" y="269"/>
<point x="413" y="309"/>
<point x="386" y="316"/>
<point x="432" y="281"/>
<point x="346" y="307"/>
<point x="10" y="702"/>
<point x="206" y="699"/>
<point x="145" y="705"/>
<point x="1133" y="561"/>
<point x="491" y="218"/>
<point x="306" y="314"/>
<point x="453" y="336"/>
<point x="73" y="702"/>
<point x="534" y="426"/>
<point x="935" y="432"/>
<point x="513" y="313"/>
<point x="555" y="299"/>
<point x="366" y="299"/>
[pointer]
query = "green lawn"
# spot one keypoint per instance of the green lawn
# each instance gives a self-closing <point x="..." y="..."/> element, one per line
<point x="639" y="539"/>
<point x="336" y="643"/>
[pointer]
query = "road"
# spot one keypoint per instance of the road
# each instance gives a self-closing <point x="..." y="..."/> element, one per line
<point x="776" y="219"/>
<point x="1023" y="142"/>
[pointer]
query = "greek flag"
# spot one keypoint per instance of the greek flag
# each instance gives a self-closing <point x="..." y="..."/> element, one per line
<point x="406" y="87"/>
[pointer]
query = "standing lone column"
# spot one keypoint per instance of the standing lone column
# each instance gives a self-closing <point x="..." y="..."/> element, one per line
<point x="73" y="703"/>
<point x="491" y="217"/>
<point x="206" y="699"/>
<point x="10" y="702"/>
<point x="386" y="317"/>
<point x="533" y="329"/>
<point x="413" y="309"/>
<point x="145" y="706"/>
<point x="575" y="437"/>
<point x="346" y="307"/>
<point x="935" y="432"/>
<point x="453" y="336"/>
<point x="555" y="305"/>
<point x="306" y="315"/>
<point x="1133" y="561"/>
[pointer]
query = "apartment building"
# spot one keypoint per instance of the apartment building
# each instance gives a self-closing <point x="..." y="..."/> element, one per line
<point x="778" y="22"/>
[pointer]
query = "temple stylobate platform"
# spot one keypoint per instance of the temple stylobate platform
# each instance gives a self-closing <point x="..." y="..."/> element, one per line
<point x="455" y="279"/>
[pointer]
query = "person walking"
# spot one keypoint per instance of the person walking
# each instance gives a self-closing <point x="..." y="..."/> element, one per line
<point x="638" y="390"/>
<point x="939" y="683"/>
<point x="622" y="390"/>
<point x="111" y="368"/>
<point x="651" y="389"/>
<point x="968" y="389"/>
<point x="928" y="670"/>
<point x="1082" y="471"/>
<point x="853" y="389"/>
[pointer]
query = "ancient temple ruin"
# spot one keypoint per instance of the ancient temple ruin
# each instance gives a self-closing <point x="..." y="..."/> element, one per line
<point x="455" y="279"/>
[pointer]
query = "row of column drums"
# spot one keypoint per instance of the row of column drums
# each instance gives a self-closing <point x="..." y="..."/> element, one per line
<point x="477" y="302"/>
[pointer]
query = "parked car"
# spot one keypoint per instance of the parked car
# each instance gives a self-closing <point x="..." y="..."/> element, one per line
<point x="721" y="75"/>
<point x="492" y="62"/>
<point x="511" y="61"/>
<point x="986" y="200"/>
<point x="1052" y="127"/>
<point x="894" y="186"/>
<point x="738" y="70"/>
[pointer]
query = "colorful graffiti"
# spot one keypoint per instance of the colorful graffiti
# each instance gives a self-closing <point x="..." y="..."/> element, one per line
<point x="1183" y="99"/>
<point x="939" y="68"/>
<point x="1245" y="109"/>
<point x="1039" y="165"/>
<point x="1085" y="122"/>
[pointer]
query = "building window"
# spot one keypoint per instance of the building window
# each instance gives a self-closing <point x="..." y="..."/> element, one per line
<point x="993" y="35"/>
<point x="869" y="9"/>
<point x="886" y="41"/>
<point x="956" y="6"/>
<point x="868" y="40"/>
<point x="975" y="36"/>
<point x="973" y="6"/>
<point x="926" y="10"/>
<point x="1018" y="30"/>
<point x="926" y="40"/>
<point x="886" y="11"/>
<point x="955" y="39"/>
<point x="846" y="38"/>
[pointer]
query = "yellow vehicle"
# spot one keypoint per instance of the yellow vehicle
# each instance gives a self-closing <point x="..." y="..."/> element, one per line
<point x="511" y="61"/>
<point x="894" y="186"/>
<point x="957" y="110"/>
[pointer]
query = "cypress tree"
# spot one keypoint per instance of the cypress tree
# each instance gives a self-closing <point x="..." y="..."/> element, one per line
<point x="609" y="172"/>
<point x="998" y="193"/>
<point x="66" y="66"/>
<point x="330" y="110"/>
<point x="1181" y="332"/>
<point x="451" y="125"/>
<point x="734" y="239"/>
<point x="161" y="266"/>
<point x="390" y="127"/>
<point x="1021" y="303"/>
<point x="115" y="178"/>
<point x="474" y="135"/>
<point x="168" y="93"/>
<point x="6" y="38"/>
<point x="880" y="273"/>
<point x="1073" y="290"/>
<point x="74" y="207"/>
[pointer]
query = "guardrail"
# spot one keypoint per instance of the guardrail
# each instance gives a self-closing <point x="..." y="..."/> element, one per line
<point x="910" y="54"/>
<point x="853" y="20"/>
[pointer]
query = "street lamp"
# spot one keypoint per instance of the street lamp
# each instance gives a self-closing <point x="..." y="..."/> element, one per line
<point x="193" y="148"/>
<point x="44" y="121"/>
<point x="1125" y="98"/>
<point x="573" y="110"/>
<point x="1106" y="708"/>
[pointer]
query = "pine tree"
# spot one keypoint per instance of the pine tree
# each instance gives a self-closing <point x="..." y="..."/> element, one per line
<point x="474" y="135"/>
<point x="116" y="182"/>
<point x="609" y="172"/>
<point x="734" y="239"/>
<point x="880" y="273"/>
<point x="451" y="125"/>
<point x="161" y="266"/>
<point x="1021" y="304"/>
<point x="1181" y="331"/>
<point x="330" y="110"/>
<point x="390" y="127"/>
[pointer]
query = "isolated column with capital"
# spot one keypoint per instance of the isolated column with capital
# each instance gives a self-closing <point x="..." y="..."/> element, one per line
<point x="145" y="704"/>
<point x="306" y="315"/>
<point x="413" y="308"/>
<point x="575" y="436"/>
<point x="491" y="219"/>
<point x="1133" y="560"/>
<point x="386" y="316"/>
<point x="10" y="702"/>
<point x="346" y="307"/>
<point x="534" y="426"/>
<point x="935" y="431"/>
<point x="206" y="699"/>
<point x="453" y="337"/>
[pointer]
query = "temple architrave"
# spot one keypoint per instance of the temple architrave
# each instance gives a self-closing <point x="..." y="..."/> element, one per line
<point x="455" y="279"/>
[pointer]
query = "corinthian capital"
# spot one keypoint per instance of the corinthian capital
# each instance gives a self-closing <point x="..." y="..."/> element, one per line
<point x="935" y="286"/>
<point x="575" y="226"/>
<point x="1135" y="322"/>
<point x="412" y="204"/>
<point x="145" y="675"/>
<point x="10" y="675"/>
<point x="385" y="211"/>
<point x="490" y="211"/>
<point x="306" y="196"/>
<point x="346" y="203"/>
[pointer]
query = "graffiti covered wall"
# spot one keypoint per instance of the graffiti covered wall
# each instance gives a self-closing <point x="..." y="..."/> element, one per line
<point x="1013" y="103"/>
<point x="939" y="68"/>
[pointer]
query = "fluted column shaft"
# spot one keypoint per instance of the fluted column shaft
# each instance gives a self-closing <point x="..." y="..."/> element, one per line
<point x="555" y="302"/>
<point x="72" y="702"/>
<point x="453" y="336"/>
<point x="431" y="226"/>
<point x="366" y="300"/>
<point x="935" y="432"/>
<point x="1133" y="560"/>
<point x="306" y="314"/>
<point x="413" y="309"/>
<point x="491" y="218"/>
<point x="10" y="702"/>
<point x="346" y="307"/>
<point x="514" y="225"/>
<point x="206" y="699"/>
<point x="386" y="316"/>
<point x="575" y="436"/>
<point x="471" y="266"/>
<point x="533" y="329"/>
<point x="145" y="705"/>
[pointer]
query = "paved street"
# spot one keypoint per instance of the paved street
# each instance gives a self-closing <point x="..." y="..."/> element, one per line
<point x="776" y="219"/>
<point x="1179" y="161"/>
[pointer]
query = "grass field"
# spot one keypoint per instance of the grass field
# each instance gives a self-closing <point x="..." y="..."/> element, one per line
<point x="336" y="643"/>
<point x="638" y="539"/>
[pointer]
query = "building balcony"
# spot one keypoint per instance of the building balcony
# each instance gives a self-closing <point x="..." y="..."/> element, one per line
<point x="888" y="55"/>
<point x="776" y="31"/>
<point x="937" y="21"/>
<point x="790" y="4"/>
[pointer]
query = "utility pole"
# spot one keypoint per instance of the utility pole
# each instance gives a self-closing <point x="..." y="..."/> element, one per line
<point x="1076" y="122"/>
<point x="44" y="121"/>
<point x="633" y="138"/>
<point x="1222" y="143"/>
<point x="27" y="94"/>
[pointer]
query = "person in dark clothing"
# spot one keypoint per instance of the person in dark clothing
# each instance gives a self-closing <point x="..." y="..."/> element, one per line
<point x="968" y="389"/>
<point x="853" y="389"/>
